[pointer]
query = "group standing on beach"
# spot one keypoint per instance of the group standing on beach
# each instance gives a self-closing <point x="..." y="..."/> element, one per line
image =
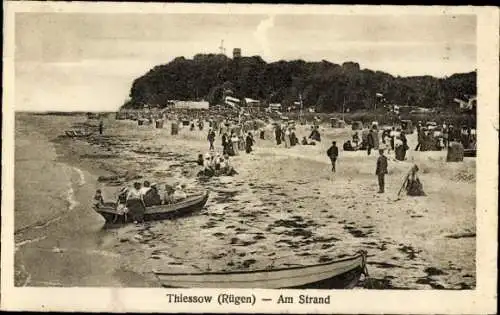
<point x="234" y="140"/>
<point x="232" y="144"/>
<point x="286" y="135"/>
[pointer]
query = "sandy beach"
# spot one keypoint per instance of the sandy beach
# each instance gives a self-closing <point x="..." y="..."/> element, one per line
<point x="284" y="208"/>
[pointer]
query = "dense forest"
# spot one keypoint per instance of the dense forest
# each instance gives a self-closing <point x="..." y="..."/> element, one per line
<point x="323" y="84"/>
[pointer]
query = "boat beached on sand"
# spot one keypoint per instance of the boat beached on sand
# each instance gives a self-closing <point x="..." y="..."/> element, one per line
<point x="340" y="274"/>
<point x="75" y="133"/>
<point x="161" y="212"/>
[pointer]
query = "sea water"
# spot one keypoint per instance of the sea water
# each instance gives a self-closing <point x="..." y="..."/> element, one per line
<point x="59" y="240"/>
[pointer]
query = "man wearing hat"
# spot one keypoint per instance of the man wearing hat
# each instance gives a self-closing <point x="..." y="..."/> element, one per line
<point x="333" y="153"/>
<point x="381" y="170"/>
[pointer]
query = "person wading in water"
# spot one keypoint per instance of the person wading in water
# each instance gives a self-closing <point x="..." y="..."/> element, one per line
<point x="333" y="153"/>
<point x="381" y="171"/>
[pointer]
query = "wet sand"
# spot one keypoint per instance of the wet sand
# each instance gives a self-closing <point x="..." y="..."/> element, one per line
<point x="284" y="208"/>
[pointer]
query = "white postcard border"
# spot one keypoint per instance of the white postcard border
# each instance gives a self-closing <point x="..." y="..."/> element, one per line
<point x="480" y="300"/>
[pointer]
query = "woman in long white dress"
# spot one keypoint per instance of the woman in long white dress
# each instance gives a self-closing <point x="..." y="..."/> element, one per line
<point x="287" y="138"/>
<point x="235" y="140"/>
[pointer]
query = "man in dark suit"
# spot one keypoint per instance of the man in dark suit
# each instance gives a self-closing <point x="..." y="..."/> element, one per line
<point x="381" y="171"/>
<point x="333" y="153"/>
<point x="370" y="141"/>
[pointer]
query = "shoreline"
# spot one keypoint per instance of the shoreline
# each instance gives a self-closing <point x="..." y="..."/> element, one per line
<point x="292" y="212"/>
<point x="45" y="249"/>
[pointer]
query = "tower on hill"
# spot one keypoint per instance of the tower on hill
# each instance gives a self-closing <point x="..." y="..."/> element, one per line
<point x="236" y="53"/>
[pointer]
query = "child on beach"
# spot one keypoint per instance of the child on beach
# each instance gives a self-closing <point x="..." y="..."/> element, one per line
<point x="121" y="203"/>
<point x="98" y="199"/>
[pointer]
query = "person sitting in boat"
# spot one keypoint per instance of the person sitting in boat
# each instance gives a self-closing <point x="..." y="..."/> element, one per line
<point x="179" y="193"/>
<point x="98" y="199"/>
<point x="135" y="203"/>
<point x="153" y="196"/>
<point x="147" y="193"/>
<point x="145" y="187"/>
<point x="168" y="197"/>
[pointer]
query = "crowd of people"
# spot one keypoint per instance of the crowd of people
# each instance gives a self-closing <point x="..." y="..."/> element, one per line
<point x="394" y="139"/>
<point x="438" y="138"/>
<point x="236" y="133"/>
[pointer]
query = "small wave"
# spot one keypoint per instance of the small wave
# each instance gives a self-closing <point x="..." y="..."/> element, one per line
<point x="70" y="198"/>
<point x="38" y="225"/>
<point x="29" y="241"/>
<point x="81" y="178"/>
<point x="103" y="253"/>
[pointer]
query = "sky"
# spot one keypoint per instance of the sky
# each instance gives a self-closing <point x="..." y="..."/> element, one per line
<point x="88" y="61"/>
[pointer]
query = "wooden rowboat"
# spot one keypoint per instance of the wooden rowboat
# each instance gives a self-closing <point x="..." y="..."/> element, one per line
<point x="160" y="212"/>
<point x="77" y="133"/>
<point x="339" y="274"/>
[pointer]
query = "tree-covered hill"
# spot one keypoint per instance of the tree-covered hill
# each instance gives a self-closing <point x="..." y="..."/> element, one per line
<point x="322" y="84"/>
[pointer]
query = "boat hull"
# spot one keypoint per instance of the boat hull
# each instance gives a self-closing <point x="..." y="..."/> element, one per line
<point x="340" y="274"/>
<point x="154" y="213"/>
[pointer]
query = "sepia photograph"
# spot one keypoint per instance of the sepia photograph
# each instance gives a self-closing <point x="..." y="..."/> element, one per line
<point x="240" y="149"/>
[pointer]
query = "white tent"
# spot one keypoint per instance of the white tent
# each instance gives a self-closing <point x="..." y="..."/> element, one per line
<point x="252" y="102"/>
<point x="275" y="106"/>
<point x="191" y="104"/>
